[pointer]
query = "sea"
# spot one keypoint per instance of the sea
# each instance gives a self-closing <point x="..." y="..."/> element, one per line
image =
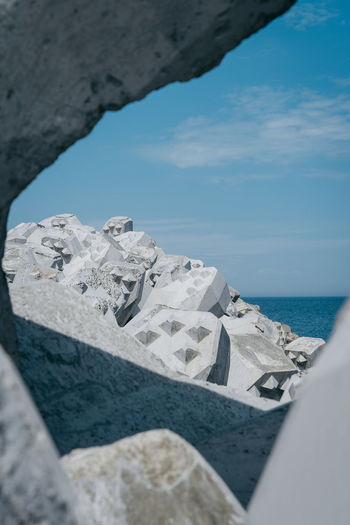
<point x="307" y="316"/>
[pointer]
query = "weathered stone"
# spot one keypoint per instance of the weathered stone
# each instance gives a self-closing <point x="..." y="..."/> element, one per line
<point x="137" y="248"/>
<point x="64" y="311"/>
<point x="234" y="294"/>
<point x="34" y="489"/>
<point x="258" y="365"/>
<point x="117" y="225"/>
<point x="239" y="454"/>
<point x="114" y="289"/>
<point x="193" y="343"/>
<point x="155" y="477"/>
<point x="252" y="322"/>
<point x="72" y="76"/>
<point x="242" y="308"/>
<point x="317" y="429"/>
<point x="285" y="333"/>
<point x="94" y="383"/>
<point x="7" y="331"/>
<point x="304" y="350"/>
<point x="201" y="289"/>
<point x="167" y="269"/>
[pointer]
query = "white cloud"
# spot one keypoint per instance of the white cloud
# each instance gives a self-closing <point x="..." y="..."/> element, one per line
<point x="262" y="126"/>
<point x="344" y="82"/>
<point x="202" y="242"/>
<point x="305" y="15"/>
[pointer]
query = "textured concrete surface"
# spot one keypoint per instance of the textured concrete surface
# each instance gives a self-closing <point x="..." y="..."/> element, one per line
<point x="7" y="332"/>
<point x="239" y="454"/>
<point x="193" y="343"/>
<point x="34" y="489"/>
<point x="121" y="272"/>
<point x="311" y="462"/>
<point x="92" y="395"/>
<point x="151" y="478"/>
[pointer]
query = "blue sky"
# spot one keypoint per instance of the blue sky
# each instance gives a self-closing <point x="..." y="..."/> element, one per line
<point x="246" y="168"/>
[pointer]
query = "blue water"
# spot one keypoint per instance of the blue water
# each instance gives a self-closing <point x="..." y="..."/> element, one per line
<point x="307" y="316"/>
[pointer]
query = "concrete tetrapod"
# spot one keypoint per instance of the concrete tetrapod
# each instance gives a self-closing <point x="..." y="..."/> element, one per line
<point x="193" y="343"/>
<point x="202" y="289"/>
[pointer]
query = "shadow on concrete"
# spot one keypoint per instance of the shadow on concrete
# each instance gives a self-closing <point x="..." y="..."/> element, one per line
<point x="88" y="397"/>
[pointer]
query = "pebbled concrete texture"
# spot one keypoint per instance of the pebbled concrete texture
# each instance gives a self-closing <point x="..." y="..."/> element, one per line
<point x="239" y="454"/>
<point x="7" y="331"/>
<point x="154" y="477"/>
<point x="311" y="460"/>
<point x="94" y="384"/>
<point x="34" y="488"/>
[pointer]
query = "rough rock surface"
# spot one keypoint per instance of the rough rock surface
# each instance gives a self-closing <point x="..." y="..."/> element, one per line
<point x="202" y="289"/>
<point x="67" y="313"/>
<point x="87" y="376"/>
<point x="84" y="58"/>
<point x="154" y="477"/>
<point x="239" y="454"/>
<point x="304" y="350"/>
<point x="34" y="489"/>
<point x="93" y="394"/>
<point x="258" y="365"/>
<point x="108" y="272"/>
<point x="7" y="331"/>
<point x="252" y="322"/>
<point x="193" y="343"/>
<point x="317" y="428"/>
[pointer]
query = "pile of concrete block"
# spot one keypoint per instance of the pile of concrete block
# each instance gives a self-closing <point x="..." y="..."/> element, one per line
<point x="180" y="311"/>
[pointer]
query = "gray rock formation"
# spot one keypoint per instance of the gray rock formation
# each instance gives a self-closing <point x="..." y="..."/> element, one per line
<point x="34" y="489"/>
<point x="259" y="366"/>
<point x="64" y="311"/>
<point x="317" y="429"/>
<point x="193" y="343"/>
<point x="94" y="383"/>
<point x="238" y="454"/>
<point x="180" y="311"/>
<point x="304" y="350"/>
<point x="154" y="477"/>
<point x="202" y="289"/>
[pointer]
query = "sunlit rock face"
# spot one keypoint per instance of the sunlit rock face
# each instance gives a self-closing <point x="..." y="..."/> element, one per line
<point x="318" y="427"/>
<point x="154" y="477"/>
<point x="191" y="342"/>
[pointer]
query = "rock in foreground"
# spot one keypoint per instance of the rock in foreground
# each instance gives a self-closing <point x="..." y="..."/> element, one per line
<point x="151" y="478"/>
<point x="34" y="489"/>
